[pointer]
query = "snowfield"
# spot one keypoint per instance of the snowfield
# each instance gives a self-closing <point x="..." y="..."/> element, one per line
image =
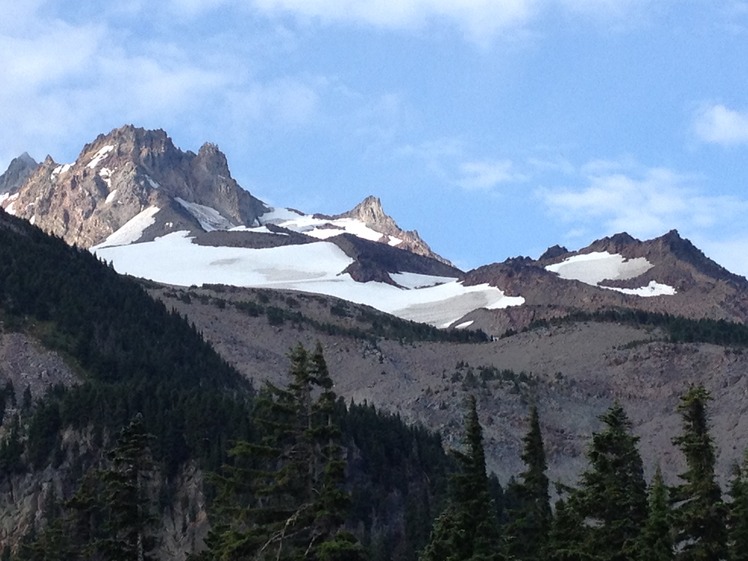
<point x="208" y="217"/>
<point x="132" y="230"/>
<point x="315" y="267"/>
<point x="321" y="228"/>
<point x="598" y="266"/>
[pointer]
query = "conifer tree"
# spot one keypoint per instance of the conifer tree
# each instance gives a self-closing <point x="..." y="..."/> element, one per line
<point x="656" y="543"/>
<point x="130" y="515"/>
<point x="527" y="534"/>
<point x="699" y="514"/>
<point x="467" y="530"/>
<point x="612" y="498"/>
<point x="737" y="527"/>
<point x="282" y="497"/>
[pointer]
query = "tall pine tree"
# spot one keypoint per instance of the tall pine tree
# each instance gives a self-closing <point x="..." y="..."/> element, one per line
<point x="737" y="520"/>
<point x="699" y="513"/>
<point x="282" y="497"/>
<point x="468" y="529"/>
<point x="527" y="533"/>
<point x="656" y="543"/>
<point x="612" y="498"/>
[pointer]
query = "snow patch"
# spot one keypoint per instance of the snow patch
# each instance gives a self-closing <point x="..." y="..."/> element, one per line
<point x="596" y="267"/>
<point x="323" y="228"/>
<point x="111" y="196"/>
<point x="106" y="175"/>
<point x="654" y="288"/>
<point x="209" y="218"/>
<point x="100" y="155"/>
<point x="131" y="231"/>
<point x="315" y="267"/>
<point x="11" y="203"/>
<point x="415" y="281"/>
<point x="593" y="268"/>
<point x="151" y="182"/>
<point x="465" y="324"/>
<point x="61" y="169"/>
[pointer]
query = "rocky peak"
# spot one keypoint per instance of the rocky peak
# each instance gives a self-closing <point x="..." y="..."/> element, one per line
<point x="370" y="212"/>
<point x="126" y="172"/>
<point x="18" y="170"/>
<point x="553" y="252"/>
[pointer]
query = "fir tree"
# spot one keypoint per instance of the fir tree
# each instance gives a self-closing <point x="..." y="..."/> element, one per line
<point x="130" y="516"/>
<point x="737" y="526"/>
<point x="282" y="497"/>
<point x="527" y="534"/>
<point x="612" y="498"/>
<point x="467" y="530"/>
<point x="699" y="514"/>
<point x="656" y="542"/>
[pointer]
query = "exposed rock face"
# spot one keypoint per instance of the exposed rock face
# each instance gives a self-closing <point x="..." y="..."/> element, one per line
<point x="703" y="289"/>
<point x="18" y="170"/>
<point x="126" y="172"/>
<point x="370" y="212"/>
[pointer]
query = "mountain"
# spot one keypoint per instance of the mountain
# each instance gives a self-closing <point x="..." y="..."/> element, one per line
<point x="176" y="217"/>
<point x="666" y="275"/>
<point x="18" y="170"/>
<point x="133" y="176"/>
<point x="627" y="320"/>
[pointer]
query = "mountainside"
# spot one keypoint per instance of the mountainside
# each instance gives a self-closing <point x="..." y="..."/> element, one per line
<point x="16" y="174"/>
<point x="179" y="218"/>
<point x="85" y="351"/>
<point x="132" y="173"/>
<point x="622" y="320"/>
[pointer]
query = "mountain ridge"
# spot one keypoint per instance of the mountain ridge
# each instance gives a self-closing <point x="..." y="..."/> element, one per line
<point x="136" y="199"/>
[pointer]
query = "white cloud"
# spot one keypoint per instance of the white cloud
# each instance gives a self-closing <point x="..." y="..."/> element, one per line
<point x="486" y="175"/>
<point x="643" y="202"/>
<point x="718" y="124"/>
<point x="480" y="20"/>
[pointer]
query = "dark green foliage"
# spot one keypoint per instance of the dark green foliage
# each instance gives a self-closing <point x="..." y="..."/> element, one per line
<point x="678" y="329"/>
<point x="566" y="541"/>
<point x="283" y="498"/>
<point x="527" y="533"/>
<point x="11" y="451"/>
<point x="737" y="521"/>
<point x="129" y="515"/>
<point x="467" y="529"/>
<point x="612" y="497"/>
<point x="699" y="513"/>
<point x="655" y="543"/>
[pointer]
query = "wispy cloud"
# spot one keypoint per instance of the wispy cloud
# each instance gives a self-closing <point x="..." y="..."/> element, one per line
<point x="486" y="175"/>
<point x="718" y="124"/>
<point x="65" y="78"/>
<point x="480" y="20"/>
<point x="645" y="202"/>
<point x="450" y="160"/>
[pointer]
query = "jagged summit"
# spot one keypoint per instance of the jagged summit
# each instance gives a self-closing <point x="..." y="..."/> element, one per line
<point x="370" y="212"/>
<point x="133" y="174"/>
<point x="18" y="170"/>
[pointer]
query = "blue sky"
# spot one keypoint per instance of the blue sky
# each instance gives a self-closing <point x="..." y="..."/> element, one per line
<point x="495" y="128"/>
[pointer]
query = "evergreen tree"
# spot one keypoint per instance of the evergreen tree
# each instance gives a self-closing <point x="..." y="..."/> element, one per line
<point x="737" y="527"/>
<point x="282" y="497"/>
<point x="656" y="542"/>
<point x="566" y="538"/>
<point x="699" y="514"/>
<point x="467" y="530"/>
<point x="527" y="534"/>
<point x="130" y="517"/>
<point x="612" y="498"/>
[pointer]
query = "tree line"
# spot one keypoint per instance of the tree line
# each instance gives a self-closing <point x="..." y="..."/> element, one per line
<point x="610" y="515"/>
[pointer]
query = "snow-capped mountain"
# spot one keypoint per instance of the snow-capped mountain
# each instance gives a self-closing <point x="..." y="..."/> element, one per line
<point x="179" y="218"/>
